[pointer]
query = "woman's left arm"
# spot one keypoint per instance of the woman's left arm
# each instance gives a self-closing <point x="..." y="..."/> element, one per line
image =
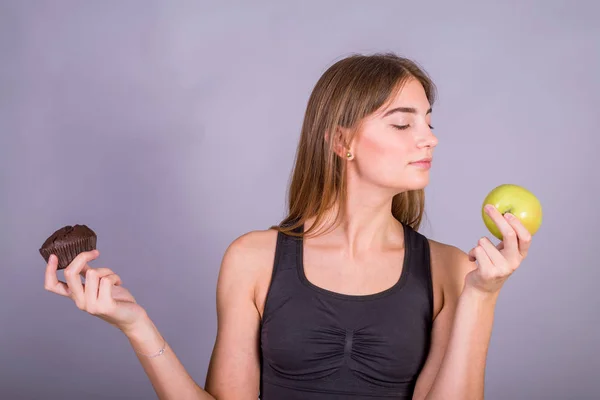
<point x="455" y="366"/>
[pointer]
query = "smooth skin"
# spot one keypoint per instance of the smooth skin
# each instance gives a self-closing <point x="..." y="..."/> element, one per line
<point x="358" y="257"/>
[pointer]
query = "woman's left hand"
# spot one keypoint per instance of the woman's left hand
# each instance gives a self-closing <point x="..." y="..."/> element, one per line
<point x="497" y="263"/>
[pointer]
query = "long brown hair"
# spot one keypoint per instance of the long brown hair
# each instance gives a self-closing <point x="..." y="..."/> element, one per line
<point x="348" y="91"/>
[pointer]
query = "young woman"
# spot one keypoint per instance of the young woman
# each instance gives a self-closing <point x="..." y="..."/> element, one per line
<point x="344" y="299"/>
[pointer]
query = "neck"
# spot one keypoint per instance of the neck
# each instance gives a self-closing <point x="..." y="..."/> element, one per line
<point x="366" y="221"/>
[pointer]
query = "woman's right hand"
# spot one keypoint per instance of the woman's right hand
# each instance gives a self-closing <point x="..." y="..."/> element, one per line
<point x="102" y="294"/>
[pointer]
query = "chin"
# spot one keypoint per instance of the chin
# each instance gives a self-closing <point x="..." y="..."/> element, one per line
<point x="415" y="183"/>
<point x="398" y="188"/>
<point x="403" y="183"/>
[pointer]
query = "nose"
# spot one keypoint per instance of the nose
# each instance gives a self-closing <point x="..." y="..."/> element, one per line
<point x="427" y="138"/>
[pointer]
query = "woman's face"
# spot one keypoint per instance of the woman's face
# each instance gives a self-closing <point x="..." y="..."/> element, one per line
<point x="389" y="149"/>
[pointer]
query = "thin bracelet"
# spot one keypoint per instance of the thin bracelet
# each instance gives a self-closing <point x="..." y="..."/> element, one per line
<point x="159" y="353"/>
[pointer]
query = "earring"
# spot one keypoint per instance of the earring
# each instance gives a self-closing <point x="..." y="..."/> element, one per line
<point x="349" y="155"/>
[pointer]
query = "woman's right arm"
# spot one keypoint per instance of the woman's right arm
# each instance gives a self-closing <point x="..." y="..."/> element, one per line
<point x="234" y="367"/>
<point x="166" y="373"/>
<point x="233" y="373"/>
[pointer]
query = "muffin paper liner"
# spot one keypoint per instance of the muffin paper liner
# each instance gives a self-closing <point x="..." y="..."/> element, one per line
<point x="67" y="252"/>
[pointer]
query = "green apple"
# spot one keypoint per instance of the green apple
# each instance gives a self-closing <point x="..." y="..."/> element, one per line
<point x="517" y="200"/>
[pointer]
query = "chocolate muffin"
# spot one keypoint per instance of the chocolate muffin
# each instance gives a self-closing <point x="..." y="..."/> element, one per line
<point x="67" y="242"/>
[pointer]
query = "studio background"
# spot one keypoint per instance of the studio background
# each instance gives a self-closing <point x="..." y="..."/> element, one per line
<point x="170" y="129"/>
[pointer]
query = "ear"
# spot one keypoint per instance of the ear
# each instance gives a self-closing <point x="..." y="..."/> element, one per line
<point x="340" y="143"/>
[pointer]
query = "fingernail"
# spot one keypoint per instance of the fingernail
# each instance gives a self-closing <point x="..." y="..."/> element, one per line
<point x="488" y="207"/>
<point x="508" y="216"/>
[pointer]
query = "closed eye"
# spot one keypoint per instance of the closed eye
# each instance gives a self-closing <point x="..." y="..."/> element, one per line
<point x="403" y="127"/>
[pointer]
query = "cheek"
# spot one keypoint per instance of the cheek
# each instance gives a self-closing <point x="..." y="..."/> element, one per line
<point x="389" y="151"/>
<point x="370" y="146"/>
<point x="383" y="159"/>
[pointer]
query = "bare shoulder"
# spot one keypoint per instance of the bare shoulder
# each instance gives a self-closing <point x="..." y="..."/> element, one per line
<point x="247" y="265"/>
<point x="448" y="256"/>
<point x="250" y="253"/>
<point x="449" y="266"/>
<point x="252" y="246"/>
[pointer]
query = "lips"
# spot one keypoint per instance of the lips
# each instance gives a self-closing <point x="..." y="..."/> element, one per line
<point x="423" y="160"/>
<point x="424" y="163"/>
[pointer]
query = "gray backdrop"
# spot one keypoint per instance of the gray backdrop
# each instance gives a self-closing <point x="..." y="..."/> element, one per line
<point x="170" y="129"/>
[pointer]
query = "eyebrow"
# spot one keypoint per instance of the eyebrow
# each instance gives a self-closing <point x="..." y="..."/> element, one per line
<point x="410" y="110"/>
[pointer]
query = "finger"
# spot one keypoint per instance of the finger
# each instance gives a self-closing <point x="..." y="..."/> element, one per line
<point x="481" y="256"/>
<point x="472" y="256"/>
<point x="92" y="279"/>
<point x="51" y="282"/>
<point x="101" y="272"/>
<point x="486" y="269"/>
<point x="523" y="235"/>
<point x="496" y="258"/>
<point x="105" y="292"/>
<point x="72" y="275"/>
<point x="509" y="236"/>
<point x="471" y="253"/>
<point x="84" y="270"/>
